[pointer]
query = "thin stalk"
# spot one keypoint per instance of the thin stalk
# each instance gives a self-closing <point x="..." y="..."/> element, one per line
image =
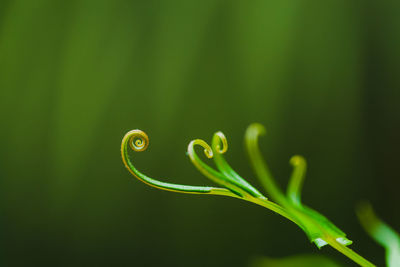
<point x="357" y="258"/>
<point x="276" y="208"/>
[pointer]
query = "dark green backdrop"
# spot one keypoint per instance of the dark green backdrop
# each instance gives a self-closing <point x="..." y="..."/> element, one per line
<point x="75" y="76"/>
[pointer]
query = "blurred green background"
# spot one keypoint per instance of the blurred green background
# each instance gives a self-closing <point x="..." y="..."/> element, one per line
<point x="75" y="76"/>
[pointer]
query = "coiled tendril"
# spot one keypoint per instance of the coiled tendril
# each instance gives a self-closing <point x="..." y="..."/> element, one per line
<point x="209" y="172"/>
<point x="221" y="143"/>
<point x="138" y="141"/>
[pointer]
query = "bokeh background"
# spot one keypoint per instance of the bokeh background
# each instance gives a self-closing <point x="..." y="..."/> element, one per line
<point x="75" y="76"/>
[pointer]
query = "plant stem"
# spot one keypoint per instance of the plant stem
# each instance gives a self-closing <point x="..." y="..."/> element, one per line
<point x="276" y="208"/>
<point x="349" y="252"/>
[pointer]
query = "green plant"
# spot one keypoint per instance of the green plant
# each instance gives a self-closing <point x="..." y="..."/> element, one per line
<point x="318" y="228"/>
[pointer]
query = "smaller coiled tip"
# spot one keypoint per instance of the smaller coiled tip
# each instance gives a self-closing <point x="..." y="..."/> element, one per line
<point x="222" y="143"/>
<point x="207" y="149"/>
<point x="137" y="139"/>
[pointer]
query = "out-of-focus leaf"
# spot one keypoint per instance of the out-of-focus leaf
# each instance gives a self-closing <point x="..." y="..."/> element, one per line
<point x="381" y="233"/>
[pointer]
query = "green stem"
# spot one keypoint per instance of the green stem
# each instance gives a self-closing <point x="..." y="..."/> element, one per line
<point x="348" y="252"/>
<point x="276" y="208"/>
<point x="351" y="254"/>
